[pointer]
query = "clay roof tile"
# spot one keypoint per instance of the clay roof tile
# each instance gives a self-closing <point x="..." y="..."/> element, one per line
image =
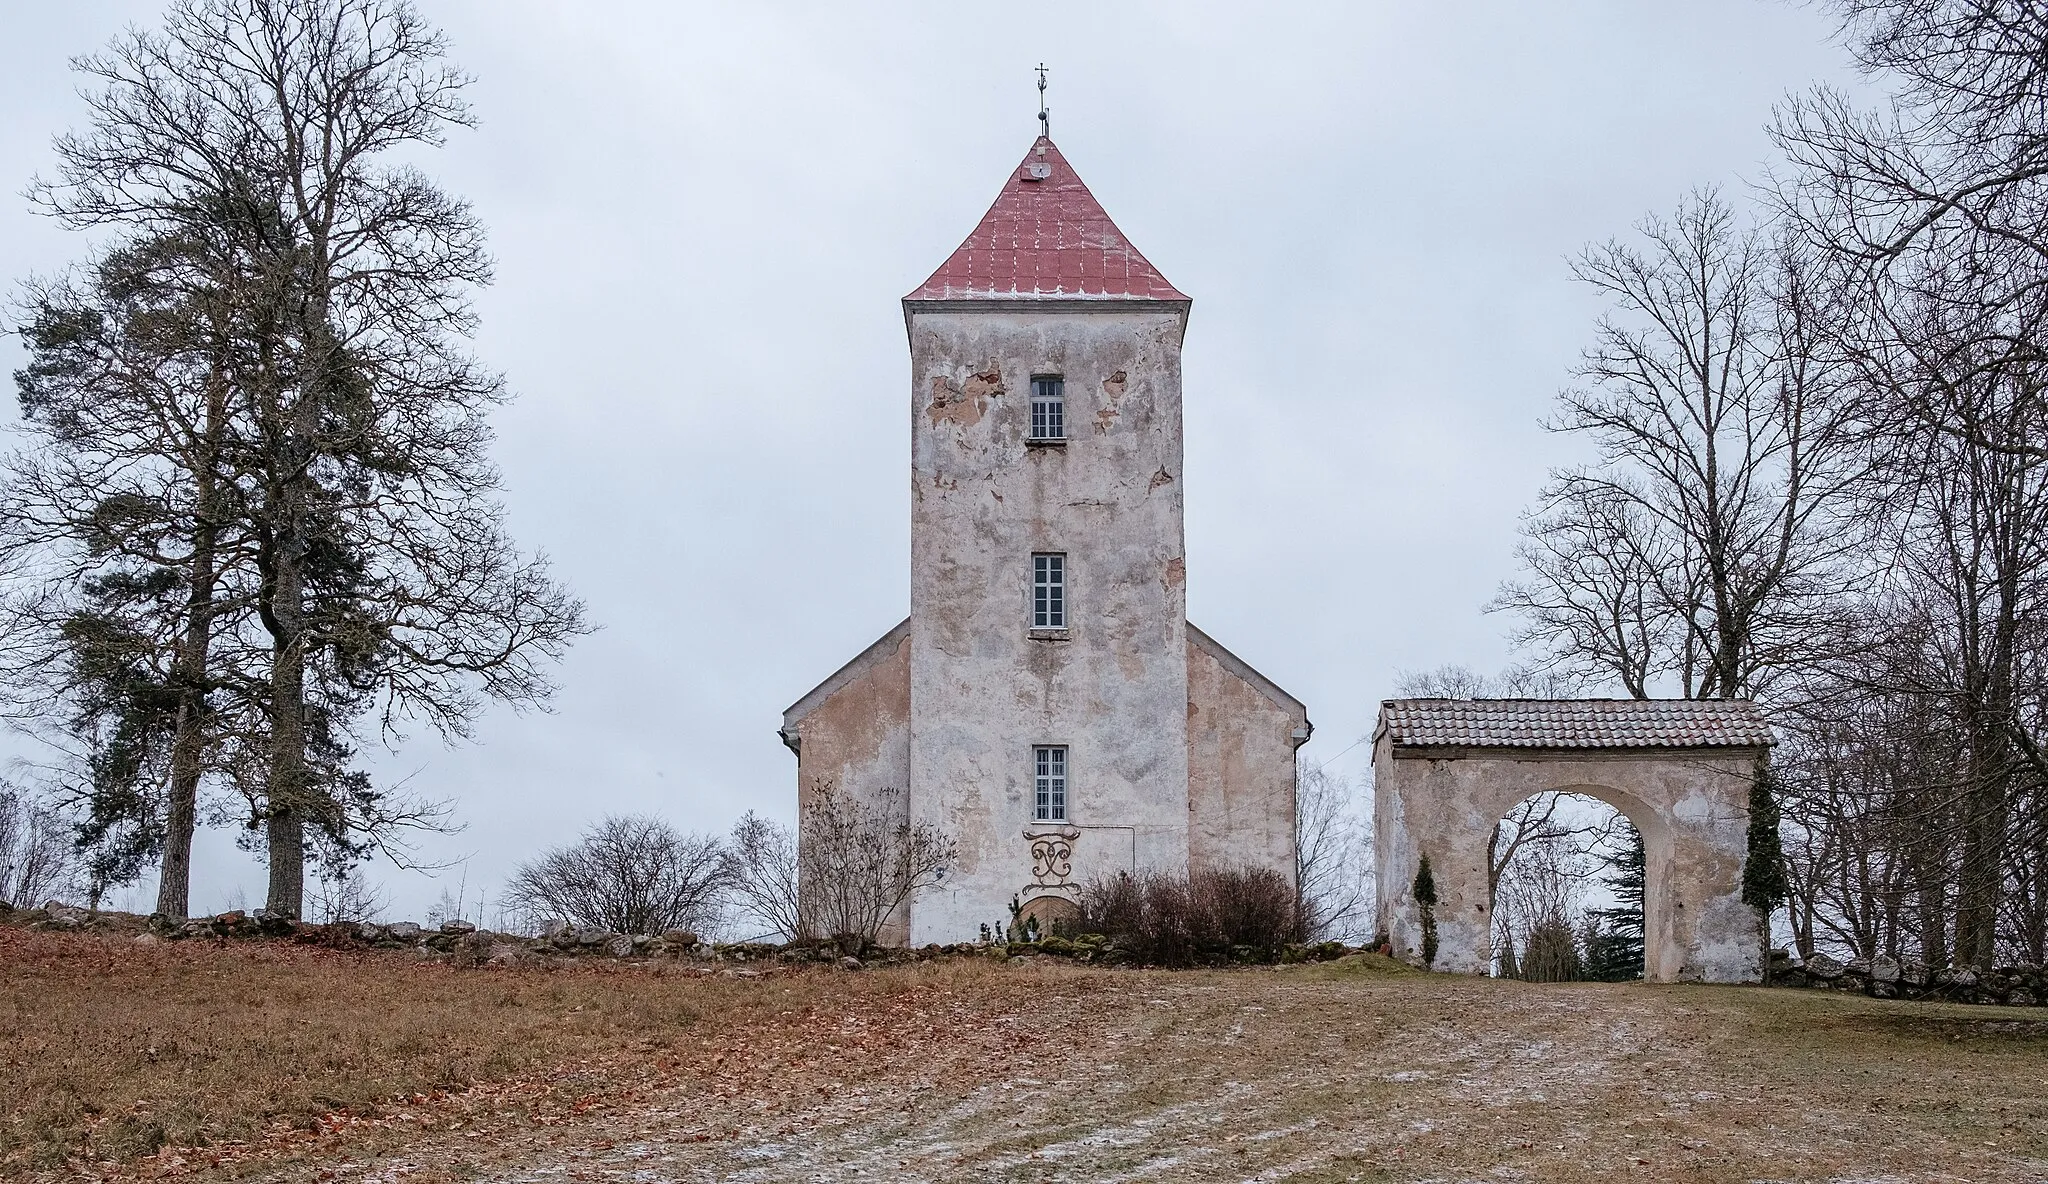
<point x="1574" y="723"/>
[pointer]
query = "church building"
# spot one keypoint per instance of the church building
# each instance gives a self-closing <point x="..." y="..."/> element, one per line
<point x="1047" y="705"/>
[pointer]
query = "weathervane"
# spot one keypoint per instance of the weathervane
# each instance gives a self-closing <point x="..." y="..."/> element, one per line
<point x="1044" y="117"/>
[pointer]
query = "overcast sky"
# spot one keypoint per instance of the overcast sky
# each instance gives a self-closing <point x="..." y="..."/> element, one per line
<point x="704" y="219"/>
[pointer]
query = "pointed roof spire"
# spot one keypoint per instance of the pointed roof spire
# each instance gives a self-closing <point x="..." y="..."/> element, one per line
<point x="1044" y="115"/>
<point x="1046" y="237"/>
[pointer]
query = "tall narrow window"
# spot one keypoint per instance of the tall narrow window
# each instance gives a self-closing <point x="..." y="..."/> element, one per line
<point x="1048" y="591"/>
<point x="1048" y="408"/>
<point x="1050" y="777"/>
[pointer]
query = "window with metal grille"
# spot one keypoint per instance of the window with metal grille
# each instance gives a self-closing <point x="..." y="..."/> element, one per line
<point x="1049" y="763"/>
<point x="1048" y="591"/>
<point x="1048" y="408"/>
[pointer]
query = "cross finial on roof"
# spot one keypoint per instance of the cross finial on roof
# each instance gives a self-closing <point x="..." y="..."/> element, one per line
<point x="1044" y="116"/>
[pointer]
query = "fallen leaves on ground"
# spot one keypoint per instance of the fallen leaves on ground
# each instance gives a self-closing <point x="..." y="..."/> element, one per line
<point x="974" y="1070"/>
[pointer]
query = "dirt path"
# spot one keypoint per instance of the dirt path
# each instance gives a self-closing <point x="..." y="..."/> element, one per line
<point x="1318" y="1074"/>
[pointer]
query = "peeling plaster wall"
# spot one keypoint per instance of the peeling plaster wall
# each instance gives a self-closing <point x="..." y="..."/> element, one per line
<point x="1691" y="807"/>
<point x="853" y="733"/>
<point x="1241" y="770"/>
<point x="983" y="691"/>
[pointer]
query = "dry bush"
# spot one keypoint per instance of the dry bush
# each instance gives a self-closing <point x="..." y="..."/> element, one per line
<point x="345" y="897"/>
<point x="1248" y="906"/>
<point x="1145" y="916"/>
<point x="1217" y="915"/>
<point x="860" y="861"/>
<point x="1551" y="954"/>
<point x="632" y="874"/>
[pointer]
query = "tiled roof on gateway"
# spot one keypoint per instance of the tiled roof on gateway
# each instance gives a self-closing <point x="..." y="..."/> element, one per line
<point x="1046" y="237"/>
<point x="1573" y="723"/>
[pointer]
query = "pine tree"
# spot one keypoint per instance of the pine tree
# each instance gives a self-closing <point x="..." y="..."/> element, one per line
<point x="1614" y="937"/>
<point x="123" y="496"/>
<point x="377" y="560"/>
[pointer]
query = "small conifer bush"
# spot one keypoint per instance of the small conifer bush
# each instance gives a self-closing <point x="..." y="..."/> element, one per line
<point x="1425" y="895"/>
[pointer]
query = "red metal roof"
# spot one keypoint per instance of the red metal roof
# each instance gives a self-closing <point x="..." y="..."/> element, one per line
<point x="1046" y="237"/>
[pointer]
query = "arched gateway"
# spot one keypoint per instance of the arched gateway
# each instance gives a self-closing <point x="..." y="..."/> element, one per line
<point x="1447" y="770"/>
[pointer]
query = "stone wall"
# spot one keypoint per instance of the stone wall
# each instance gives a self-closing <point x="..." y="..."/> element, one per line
<point x="460" y="943"/>
<point x="463" y="944"/>
<point x="1892" y="978"/>
<point x="1691" y="808"/>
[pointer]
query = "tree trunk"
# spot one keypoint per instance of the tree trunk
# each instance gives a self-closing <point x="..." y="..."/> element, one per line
<point x="2036" y="929"/>
<point x="291" y="789"/>
<point x="286" y="815"/>
<point x="188" y="747"/>
<point x="174" y="885"/>
<point x="1983" y="832"/>
<point x="1933" y="911"/>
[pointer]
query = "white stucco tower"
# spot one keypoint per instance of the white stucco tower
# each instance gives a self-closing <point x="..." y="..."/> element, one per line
<point x="1046" y="291"/>
<point x="1047" y="704"/>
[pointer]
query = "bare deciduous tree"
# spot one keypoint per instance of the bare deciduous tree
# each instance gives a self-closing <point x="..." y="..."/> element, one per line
<point x="37" y="860"/>
<point x="1697" y="547"/>
<point x="632" y="874"/>
<point x="862" y="860"/>
<point x="378" y="570"/>
<point x="1917" y="798"/>
<point x="1333" y="856"/>
<point x="1462" y="682"/>
<point x="1539" y="902"/>
<point x="1592" y="603"/>
<point x="765" y="876"/>
<point x="1822" y="481"/>
<point x="343" y="896"/>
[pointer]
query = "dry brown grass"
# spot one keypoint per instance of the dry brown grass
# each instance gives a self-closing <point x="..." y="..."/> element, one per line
<point x="110" y="1051"/>
<point x="969" y="1070"/>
